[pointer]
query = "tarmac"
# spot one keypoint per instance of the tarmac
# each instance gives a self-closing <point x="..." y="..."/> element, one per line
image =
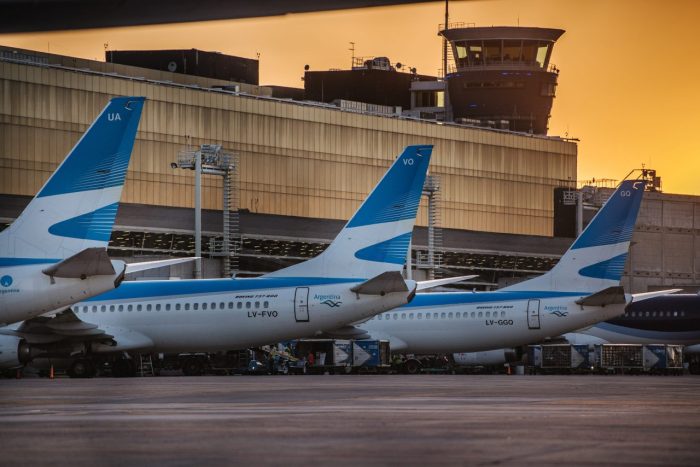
<point x="351" y="420"/>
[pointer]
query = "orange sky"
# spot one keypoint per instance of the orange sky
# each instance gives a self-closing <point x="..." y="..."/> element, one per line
<point x="628" y="86"/>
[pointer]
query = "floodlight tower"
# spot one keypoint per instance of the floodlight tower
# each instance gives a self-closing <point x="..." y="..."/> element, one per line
<point x="211" y="159"/>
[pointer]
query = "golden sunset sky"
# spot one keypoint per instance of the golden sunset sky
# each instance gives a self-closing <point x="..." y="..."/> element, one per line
<point x="629" y="85"/>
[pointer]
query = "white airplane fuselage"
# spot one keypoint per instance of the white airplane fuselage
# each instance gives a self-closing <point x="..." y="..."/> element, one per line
<point x="25" y="291"/>
<point x="227" y="314"/>
<point x="479" y="321"/>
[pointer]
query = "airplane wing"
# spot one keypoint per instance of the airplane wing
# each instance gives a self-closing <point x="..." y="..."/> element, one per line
<point x="422" y="285"/>
<point x="384" y="283"/>
<point x="50" y="329"/>
<point x="66" y="327"/>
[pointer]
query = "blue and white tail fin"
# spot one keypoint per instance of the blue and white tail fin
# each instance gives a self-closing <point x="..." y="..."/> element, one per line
<point x="597" y="258"/>
<point x="77" y="206"/>
<point x="376" y="238"/>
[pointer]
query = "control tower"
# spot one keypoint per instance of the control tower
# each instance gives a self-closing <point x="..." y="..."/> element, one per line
<point x="502" y="76"/>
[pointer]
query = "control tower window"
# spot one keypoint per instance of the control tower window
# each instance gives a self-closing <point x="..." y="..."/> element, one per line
<point x="535" y="53"/>
<point x="475" y="52"/>
<point x="512" y="50"/>
<point x="461" y="48"/>
<point x="529" y="52"/>
<point x="492" y="51"/>
<point x="542" y="54"/>
<point x="461" y="54"/>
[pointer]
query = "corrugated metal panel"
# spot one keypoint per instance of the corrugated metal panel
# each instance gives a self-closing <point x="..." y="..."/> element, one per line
<point x="295" y="160"/>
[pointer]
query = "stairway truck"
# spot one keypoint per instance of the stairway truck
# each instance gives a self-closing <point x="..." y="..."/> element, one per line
<point x="371" y="356"/>
<point x="325" y="355"/>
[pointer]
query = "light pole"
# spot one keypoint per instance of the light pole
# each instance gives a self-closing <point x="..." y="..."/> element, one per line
<point x="210" y="159"/>
<point x="198" y="214"/>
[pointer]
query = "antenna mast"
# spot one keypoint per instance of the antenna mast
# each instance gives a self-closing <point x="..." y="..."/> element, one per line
<point x="444" y="39"/>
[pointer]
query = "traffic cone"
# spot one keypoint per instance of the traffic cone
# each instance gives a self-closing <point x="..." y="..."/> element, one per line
<point x="51" y="372"/>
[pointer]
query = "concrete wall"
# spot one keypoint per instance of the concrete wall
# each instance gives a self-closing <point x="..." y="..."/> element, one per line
<point x="665" y="252"/>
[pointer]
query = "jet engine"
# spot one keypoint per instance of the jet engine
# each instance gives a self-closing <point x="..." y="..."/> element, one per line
<point x="14" y="352"/>
<point x="486" y="358"/>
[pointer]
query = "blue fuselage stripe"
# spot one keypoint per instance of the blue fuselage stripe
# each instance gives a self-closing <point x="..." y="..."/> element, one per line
<point x="168" y="289"/>
<point x="9" y="262"/>
<point x="467" y="298"/>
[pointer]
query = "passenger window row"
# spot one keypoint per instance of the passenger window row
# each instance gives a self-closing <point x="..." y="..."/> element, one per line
<point x="654" y="314"/>
<point x="442" y="315"/>
<point x="176" y="306"/>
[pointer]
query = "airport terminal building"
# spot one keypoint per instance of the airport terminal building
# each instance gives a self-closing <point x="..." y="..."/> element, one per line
<point x="299" y="168"/>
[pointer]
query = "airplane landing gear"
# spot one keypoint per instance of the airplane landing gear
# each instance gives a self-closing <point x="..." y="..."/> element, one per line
<point x="82" y="368"/>
<point x="123" y="368"/>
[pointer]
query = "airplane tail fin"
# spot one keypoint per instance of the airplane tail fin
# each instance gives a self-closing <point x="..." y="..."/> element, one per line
<point x="597" y="258"/>
<point x="76" y="207"/>
<point x="376" y="238"/>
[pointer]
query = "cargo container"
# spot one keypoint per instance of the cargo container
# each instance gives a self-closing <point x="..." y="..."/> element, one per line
<point x="371" y="356"/>
<point x="606" y="358"/>
<point x="619" y="358"/>
<point x="666" y="359"/>
<point x="329" y="355"/>
<point x="559" y="358"/>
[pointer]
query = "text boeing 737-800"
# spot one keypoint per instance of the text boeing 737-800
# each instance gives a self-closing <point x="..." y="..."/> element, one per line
<point x="357" y="276"/>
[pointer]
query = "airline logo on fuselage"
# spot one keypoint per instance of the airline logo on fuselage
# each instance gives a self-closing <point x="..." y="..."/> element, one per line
<point x="6" y="282"/>
<point x="330" y="300"/>
<point x="557" y="310"/>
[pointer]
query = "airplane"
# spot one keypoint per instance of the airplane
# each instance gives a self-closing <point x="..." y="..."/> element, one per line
<point x="55" y="253"/>
<point x="357" y="276"/>
<point x="666" y="319"/>
<point x="582" y="289"/>
<point x="663" y="319"/>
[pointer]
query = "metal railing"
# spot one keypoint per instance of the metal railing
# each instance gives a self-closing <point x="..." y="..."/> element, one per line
<point x="242" y="94"/>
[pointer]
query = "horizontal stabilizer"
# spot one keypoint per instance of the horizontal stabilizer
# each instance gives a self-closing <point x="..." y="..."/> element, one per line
<point x="136" y="267"/>
<point x="384" y="283"/>
<point x="611" y="296"/>
<point x="422" y="285"/>
<point x="88" y="262"/>
<point x="639" y="297"/>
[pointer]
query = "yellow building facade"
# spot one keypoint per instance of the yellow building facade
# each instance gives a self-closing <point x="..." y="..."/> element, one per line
<point x="296" y="159"/>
